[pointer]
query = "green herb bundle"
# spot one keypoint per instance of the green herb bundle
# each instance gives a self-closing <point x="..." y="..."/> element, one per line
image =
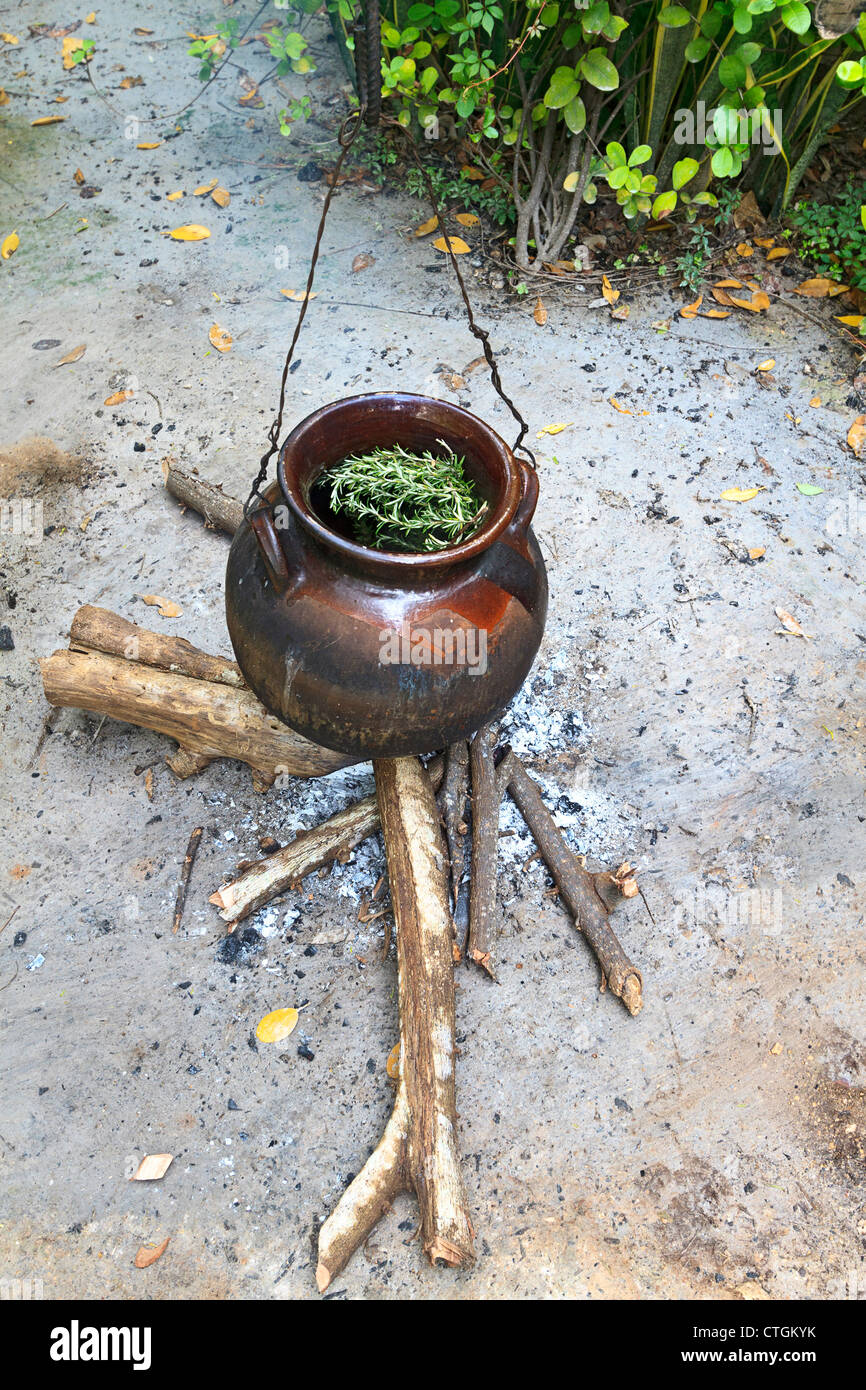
<point x="397" y="500"/>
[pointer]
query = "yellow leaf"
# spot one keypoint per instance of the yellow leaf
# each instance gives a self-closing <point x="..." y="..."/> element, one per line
<point x="744" y="249"/>
<point x="740" y="494"/>
<point x="857" y="436"/>
<point x="78" y="176"/>
<point x="757" y="551"/>
<point x="12" y="242"/>
<point x="148" y="145"/>
<point x="91" y="18"/>
<point x="8" y="38"/>
<point x="729" y="284"/>
<point x="219" y="338"/>
<point x="690" y="311"/>
<point x="607" y="289"/>
<point x="4" y="97"/>
<point x="48" y="120"/>
<point x="173" y="197"/>
<point x="819" y="287"/>
<point x="457" y="244"/>
<point x="766" y="366"/>
<point x="249" y="96"/>
<point x="850" y="320"/>
<point x="204" y="188"/>
<point x="392" y="1066"/>
<point x="815" y="402"/>
<point x="221" y="197"/>
<point x="757" y="302"/>
<point x="72" y="356"/>
<point x="552" y="429"/>
<point x="190" y="232"/>
<point x="118" y="398"/>
<point x="152" y="1167"/>
<point x="276" y="1026"/>
<point x="779" y="252"/>
<point x="623" y="409"/>
<point x="299" y="295"/>
<point x="539" y="313"/>
<point x="715" y="314"/>
<point x="764" y="241"/>
<point x="467" y="219"/>
<point x="164" y="606"/>
<point x="721" y="296"/>
<point x="790" y="624"/>
<point x="571" y="181"/>
<point x="427" y="227"/>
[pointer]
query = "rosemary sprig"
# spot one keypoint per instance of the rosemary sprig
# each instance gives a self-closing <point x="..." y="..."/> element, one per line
<point x="396" y="500"/>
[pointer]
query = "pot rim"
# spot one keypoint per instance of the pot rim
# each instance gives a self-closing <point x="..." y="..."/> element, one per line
<point x="500" y="518"/>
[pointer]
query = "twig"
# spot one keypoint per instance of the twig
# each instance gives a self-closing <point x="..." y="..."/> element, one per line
<point x="579" y="888"/>
<point x="217" y="508"/>
<point x="186" y="870"/>
<point x="9" y="918"/>
<point x="485" y="833"/>
<point x="452" y="803"/>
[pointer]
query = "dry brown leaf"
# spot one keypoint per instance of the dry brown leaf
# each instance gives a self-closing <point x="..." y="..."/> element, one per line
<point x="362" y="262"/>
<point x="10" y="244"/>
<point x="815" y="402"/>
<point x="78" y="176"/>
<point x="539" y="313"/>
<point x="457" y="244"/>
<point x="72" y="356"/>
<point x="164" y="606"/>
<point x="690" y="311"/>
<point x="48" y="120"/>
<point x="857" y="436"/>
<point x="757" y="551"/>
<point x="467" y="219"/>
<point x="219" y="339"/>
<point x="392" y="1066"/>
<point x="299" y="295"/>
<point x="715" y="314"/>
<point x="249" y="97"/>
<point x="468" y="171"/>
<point x="148" y="783"/>
<point x="620" y="311"/>
<point x="427" y="227"/>
<point x="607" y="289"/>
<point x="790" y="624"/>
<point x="204" y="188"/>
<point x="623" y="409"/>
<point x="119" y="397"/>
<point x="221" y="197"/>
<point x="721" y="296"/>
<point x="755" y="304"/>
<point x="148" y="1255"/>
<point x="779" y="253"/>
<point x="764" y="241"/>
<point x="4" y="97"/>
<point x="130" y="82"/>
<point x="152" y="1167"/>
<point x="744" y="249"/>
<point x="729" y="284"/>
<point x="190" y="232"/>
<point x="820" y="288"/>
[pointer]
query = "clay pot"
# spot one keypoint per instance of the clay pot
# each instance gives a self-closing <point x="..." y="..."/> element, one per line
<point x="379" y="654"/>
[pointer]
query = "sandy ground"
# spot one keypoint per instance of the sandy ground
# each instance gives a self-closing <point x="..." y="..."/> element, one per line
<point x="713" y="1147"/>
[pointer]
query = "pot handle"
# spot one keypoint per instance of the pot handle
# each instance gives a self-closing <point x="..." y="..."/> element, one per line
<point x="528" y="497"/>
<point x="262" y="523"/>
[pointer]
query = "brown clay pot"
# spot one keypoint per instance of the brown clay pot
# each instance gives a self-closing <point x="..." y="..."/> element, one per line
<point x="380" y="654"/>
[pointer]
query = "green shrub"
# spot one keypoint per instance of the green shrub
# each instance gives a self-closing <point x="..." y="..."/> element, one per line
<point x="831" y="235"/>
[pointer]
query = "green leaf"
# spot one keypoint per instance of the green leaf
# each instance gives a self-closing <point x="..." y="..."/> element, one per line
<point x="749" y="52"/>
<point x="732" y="72"/>
<point x="664" y="205"/>
<point x="850" y="74"/>
<point x="571" y="181"/>
<point x="796" y="17"/>
<point x="674" y="17"/>
<point x="722" y="162"/>
<point x="574" y="115"/>
<point x="599" y="71"/>
<point x="711" y="23"/>
<point x="615" y="154"/>
<point x="616" y="177"/>
<point x="683" y="170"/>
<point x="596" y="17"/>
<point x="640" y="155"/>
<point x="615" y="26"/>
<point x="726" y="125"/>
<point x="563" y="88"/>
<point x="590" y="193"/>
<point x="742" y="21"/>
<point x="809" y="489"/>
<point x="649" y="183"/>
<point x="697" y="50"/>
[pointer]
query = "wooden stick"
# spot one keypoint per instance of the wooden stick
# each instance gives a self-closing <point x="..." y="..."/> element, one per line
<point x="186" y="870"/>
<point x="100" y="630"/>
<point x="217" y="508"/>
<point x="418" y="1148"/>
<point x="452" y="803"/>
<point x="311" y="850"/>
<point x="578" y="888"/>
<point x="485" y="837"/>
<point x="208" y="719"/>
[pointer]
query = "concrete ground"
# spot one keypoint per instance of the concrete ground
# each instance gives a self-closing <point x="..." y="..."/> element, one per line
<point x="714" y="1146"/>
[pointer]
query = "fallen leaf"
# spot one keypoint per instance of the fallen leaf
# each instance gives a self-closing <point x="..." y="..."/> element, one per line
<point x="72" y="356"/>
<point x="744" y="249"/>
<point x="148" y="145"/>
<point x="623" y="409"/>
<point x="78" y="176"/>
<point x="539" y="313"/>
<point x="468" y="171"/>
<point x="467" y="219"/>
<point x="607" y="289"/>
<point x="766" y="366"/>
<point x="4" y="97"/>
<point x="48" y="120"/>
<point x="249" y="96"/>
<point x="130" y="82"/>
<point x="721" y="296"/>
<point x="690" y="311"/>
<point x="148" y="783"/>
<point x="152" y="1167"/>
<point x="850" y="320"/>
<point x="221" y="197"/>
<point x="552" y="429"/>
<point x="715" y="314"/>
<point x="778" y="253"/>
<point x="427" y="227"/>
<point x="173" y="197"/>
<point x="790" y="624"/>
<point x="11" y="243"/>
<point x="457" y="245"/>
<point x="392" y="1066"/>
<point x="91" y="18"/>
<point x="764" y="241"/>
<point x="362" y="262"/>
<point x="164" y="606"/>
<point x="276" y="1026"/>
<point x="819" y="288"/>
<point x="204" y="188"/>
<point x="191" y="232"/>
<point x="299" y="295"/>
<point x="809" y="489"/>
<point x="9" y="38"/>
<point x="620" y="311"/>
<point x="757" y="302"/>
<point x="119" y="397"/>
<point x="729" y="285"/>
<point x="857" y="436"/>
<point x="740" y="494"/>
<point x="751" y="1292"/>
<point x="148" y="1255"/>
<point x="815" y="402"/>
<point x="219" y="338"/>
<point x="757" y="551"/>
<point x="20" y="871"/>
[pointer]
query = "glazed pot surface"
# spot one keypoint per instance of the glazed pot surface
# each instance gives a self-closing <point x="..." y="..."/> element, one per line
<point x="380" y="654"/>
